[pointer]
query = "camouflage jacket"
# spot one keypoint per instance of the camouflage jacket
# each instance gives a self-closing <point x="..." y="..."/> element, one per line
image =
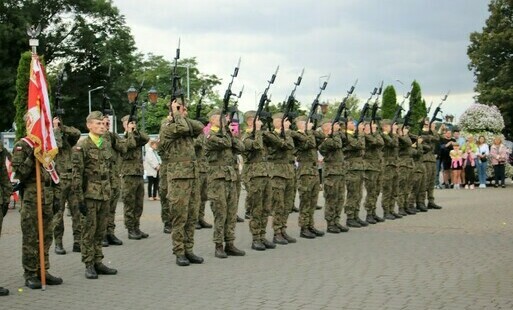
<point x="373" y="155"/>
<point x="92" y="170"/>
<point x="306" y="151"/>
<point x="5" y="183"/>
<point x="219" y="150"/>
<point x="280" y="153"/>
<point x="354" y="148"/>
<point x="66" y="137"/>
<point x="416" y="154"/>
<point x="177" y="147"/>
<point x="199" y="149"/>
<point x="254" y="156"/>
<point x="331" y="149"/>
<point x="430" y="140"/>
<point x="390" y="149"/>
<point x="118" y="146"/>
<point x="405" y="151"/>
<point x="24" y="169"/>
<point x="132" y="159"/>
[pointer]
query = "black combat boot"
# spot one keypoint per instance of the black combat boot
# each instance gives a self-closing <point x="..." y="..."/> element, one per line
<point x="219" y="251"/>
<point x="294" y="210"/>
<point x="59" y="249"/>
<point x="247" y="215"/>
<point x="402" y="212"/>
<point x="342" y="227"/>
<point x="231" y="250"/>
<point x="142" y="233"/>
<point x="306" y="233"/>
<point x="370" y="219"/>
<point x="396" y="215"/>
<point x="258" y="245"/>
<point x="105" y="242"/>
<point x="351" y="222"/>
<point x="181" y="260"/>
<point x="76" y="247"/>
<point x="361" y="222"/>
<point x="388" y="216"/>
<point x="167" y="228"/>
<point x="197" y="226"/>
<point x="193" y="258"/>
<point x="102" y="269"/>
<point x="318" y="207"/>
<point x="113" y="240"/>
<point x="433" y="205"/>
<point x="240" y="219"/>
<point x="377" y="218"/>
<point x="134" y="235"/>
<point x="52" y="280"/>
<point x="4" y="291"/>
<point x="318" y="233"/>
<point x="410" y="210"/>
<point x="422" y="207"/>
<point x="268" y="244"/>
<point x="33" y="282"/>
<point x="90" y="272"/>
<point x="287" y="237"/>
<point x="204" y="224"/>
<point x="279" y="239"/>
<point x="333" y="229"/>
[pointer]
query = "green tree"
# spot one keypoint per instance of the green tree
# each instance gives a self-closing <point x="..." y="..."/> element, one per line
<point x="21" y="100"/>
<point x="389" y="105"/>
<point x="417" y="106"/>
<point x="491" y="60"/>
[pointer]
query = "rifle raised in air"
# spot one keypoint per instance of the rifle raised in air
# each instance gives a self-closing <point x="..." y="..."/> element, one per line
<point x="437" y="110"/>
<point x="312" y="115"/>
<point x="228" y="94"/>
<point x="288" y="111"/>
<point x="342" y="108"/>
<point x="365" y="109"/>
<point x="261" y="112"/>
<point x="375" y="107"/>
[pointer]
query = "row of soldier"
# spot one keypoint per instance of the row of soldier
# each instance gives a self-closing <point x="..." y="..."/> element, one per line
<point x="197" y="167"/>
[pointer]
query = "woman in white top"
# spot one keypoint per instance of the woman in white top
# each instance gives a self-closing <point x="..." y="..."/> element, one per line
<point x="152" y="166"/>
<point x="483" y="150"/>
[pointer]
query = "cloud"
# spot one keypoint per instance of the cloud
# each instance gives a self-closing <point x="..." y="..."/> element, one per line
<point x="369" y="40"/>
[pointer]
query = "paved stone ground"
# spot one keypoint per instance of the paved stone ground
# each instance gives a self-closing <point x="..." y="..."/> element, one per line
<point x="456" y="258"/>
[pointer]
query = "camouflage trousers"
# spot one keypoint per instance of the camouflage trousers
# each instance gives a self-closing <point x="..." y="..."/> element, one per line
<point x="373" y="189"/>
<point x="404" y="187"/>
<point x="133" y="200"/>
<point x="183" y="196"/>
<point x="354" y="184"/>
<point x="203" y="185"/>
<point x="94" y="224"/>
<point x="111" y="214"/>
<point x="429" y="180"/>
<point x="308" y="187"/>
<point x="283" y="194"/>
<point x="164" y="199"/>
<point x="334" y="195"/>
<point x="417" y="193"/>
<point x="257" y="201"/>
<point x="222" y="195"/>
<point x="65" y="194"/>
<point x="390" y="188"/>
<point x="29" y="229"/>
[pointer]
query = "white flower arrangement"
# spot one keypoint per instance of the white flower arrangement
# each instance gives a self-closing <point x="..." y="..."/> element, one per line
<point x="481" y="118"/>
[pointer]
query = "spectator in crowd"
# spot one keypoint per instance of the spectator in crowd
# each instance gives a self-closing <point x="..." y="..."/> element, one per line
<point x="446" y="145"/>
<point x="456" y="135"/>
<point x="152" y="163"/>
<point x="470" y="152"/>
<point x="438" y="161"/>
<point x="456" y="164"/>
<point x="482" y="160"/>
<point x="499" y="155"/>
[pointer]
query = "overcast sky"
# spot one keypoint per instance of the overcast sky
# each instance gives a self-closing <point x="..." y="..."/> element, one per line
<point x="370" y="40"/>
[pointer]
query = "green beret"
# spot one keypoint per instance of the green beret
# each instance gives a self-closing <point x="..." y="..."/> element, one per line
<point x="95" y="115"/>
<point x="249" y="114"/>
<point x="301" y="118"/>
<point x="278" y="115"/>
<point x="125" y="118"/>
<point x="214" y="112"/>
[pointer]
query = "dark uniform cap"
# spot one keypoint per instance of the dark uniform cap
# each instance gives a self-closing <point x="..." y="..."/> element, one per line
<point x="278" y="115"/>
<point x="214" y="112"/>
<point x="249" y="114"/>
<point x="95" y="115"/>
<point x="301" y="118"/>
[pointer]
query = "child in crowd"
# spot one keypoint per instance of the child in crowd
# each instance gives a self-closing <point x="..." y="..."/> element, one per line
<point x="456" y="164"/>
<point x="469" y="162"/>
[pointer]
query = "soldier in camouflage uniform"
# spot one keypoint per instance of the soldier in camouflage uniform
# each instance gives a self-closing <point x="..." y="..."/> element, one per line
<point x="164" y="150"/>
<point x="373" y="165"/>
<point x="280" y="151"/>
<point x="24" y="168"/>
<point x="199" y="147"/>
<point x="132" y="170"/>
<point x="417" y="194"/>
<point x="220" y="147"/>
<point x="92" y="164"/>
<point x="5" y="197"/>
<point x="257" y="180"/>
<point x="118" y="147"/>
<point x="405" y="172"/>
<point x="431" y="139"/>
<point x="305" y="142"/>
<point x="334" y="176"/>
<point x="354" y="147"/>
<point x="177" y="136"/>
<point x="390" y="175"/>
<point x="66" y="137"/>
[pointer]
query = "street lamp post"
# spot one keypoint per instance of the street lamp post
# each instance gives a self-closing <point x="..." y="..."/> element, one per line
<point x="90" y="91"/>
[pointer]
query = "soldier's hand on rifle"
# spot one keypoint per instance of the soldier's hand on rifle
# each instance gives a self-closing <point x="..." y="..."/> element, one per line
<point x="176" y="107"/>
<point x="185" y="112"/>
<point x="131" y="126"/>
<point x="258" y="124"/>
<point x="56" y="122"/>
<point x="419" y="140"/>
<point x="405" y="131"/>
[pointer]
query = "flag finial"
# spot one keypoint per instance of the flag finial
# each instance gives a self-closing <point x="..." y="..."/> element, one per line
<point x="33" y="32"/>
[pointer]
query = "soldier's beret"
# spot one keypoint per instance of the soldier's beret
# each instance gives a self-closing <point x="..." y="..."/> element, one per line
<point x="278" y="115"/>
<point x="214" y="112"/>
<point x="95" y="115"/>
<point x="301" y="118"/>
<point x="125" y="118"/>
<point x="249" y="114"/>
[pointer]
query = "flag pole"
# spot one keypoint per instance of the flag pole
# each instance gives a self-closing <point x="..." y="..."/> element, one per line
<point x="34" y="42"/>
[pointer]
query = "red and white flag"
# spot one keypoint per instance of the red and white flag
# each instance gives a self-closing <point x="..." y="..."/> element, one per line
<point x="39" y="119"/>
